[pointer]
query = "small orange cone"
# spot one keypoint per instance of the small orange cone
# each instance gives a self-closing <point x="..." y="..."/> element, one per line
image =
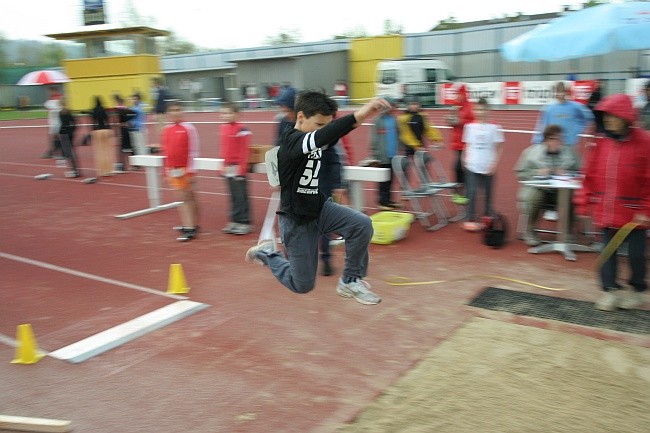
<point x="27" y="350"/>
<point x="177" y="284"/>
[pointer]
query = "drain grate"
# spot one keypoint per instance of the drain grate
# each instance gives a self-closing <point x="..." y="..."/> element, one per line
<point x="564" y="310"/>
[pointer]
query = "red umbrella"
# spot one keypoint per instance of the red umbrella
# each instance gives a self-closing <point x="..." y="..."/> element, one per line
<point x="37" y="78"/>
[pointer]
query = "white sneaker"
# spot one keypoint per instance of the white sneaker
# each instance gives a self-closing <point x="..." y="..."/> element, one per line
<point x="609" y="301"/>
<point x="550" y="215"/>
<point x="359" y="290"/>
<point x="266" y="246"/>
<point x="630" y="300"/>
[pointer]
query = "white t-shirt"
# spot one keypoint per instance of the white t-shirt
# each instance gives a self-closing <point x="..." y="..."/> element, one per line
<point x="481" y="140"/>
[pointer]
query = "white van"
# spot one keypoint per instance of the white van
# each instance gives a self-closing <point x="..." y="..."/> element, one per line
<point x="398" y="79"/>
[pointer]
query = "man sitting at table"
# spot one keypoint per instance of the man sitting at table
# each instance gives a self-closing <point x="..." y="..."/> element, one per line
<point x="551" y="158"/>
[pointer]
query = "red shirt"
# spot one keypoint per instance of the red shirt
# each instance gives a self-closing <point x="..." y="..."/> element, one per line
<point x="180" y="145"/>
<point x="234" y="141"/>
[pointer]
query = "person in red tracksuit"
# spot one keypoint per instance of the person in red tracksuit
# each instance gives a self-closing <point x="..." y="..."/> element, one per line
<point x="463" y="114"/>
<point x="180" y="145"/>
<point x="234" y="142"/>
<point x="616" y="191"/>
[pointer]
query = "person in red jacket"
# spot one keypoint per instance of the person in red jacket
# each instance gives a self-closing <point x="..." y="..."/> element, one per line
<point x="180" y="145"/>
<point x="462" y="114"/>
<point x="616" y="191"/>
<point x="234" y="141"/>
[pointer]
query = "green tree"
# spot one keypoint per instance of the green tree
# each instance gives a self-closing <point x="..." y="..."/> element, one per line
<point x="51" y="54"/>
<point x="175" y="45"/>
<point x="3" y="50"/>
<point x="291" y="36"/>
<point x="391" y="28"/>
<point x="448" y="24"/>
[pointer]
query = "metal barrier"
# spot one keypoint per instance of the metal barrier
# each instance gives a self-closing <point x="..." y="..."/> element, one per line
<point x="153" y="164"/>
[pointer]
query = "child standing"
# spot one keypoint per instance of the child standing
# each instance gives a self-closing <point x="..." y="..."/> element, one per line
<point x="461" y="115"/>
<point x="305" y="213"/>
<point x="384" y="146"/>
<point x="234" y="141"/>
<point x="483" y="146"/>
<point x="180" y="145"/>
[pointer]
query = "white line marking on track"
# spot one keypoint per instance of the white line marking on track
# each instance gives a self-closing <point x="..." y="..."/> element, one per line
<point x="89" y="276"/>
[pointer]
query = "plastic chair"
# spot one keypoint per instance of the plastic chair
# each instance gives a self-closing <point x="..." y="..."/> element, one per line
<point x="421" y="198"/>
<point x="432" y="175"/>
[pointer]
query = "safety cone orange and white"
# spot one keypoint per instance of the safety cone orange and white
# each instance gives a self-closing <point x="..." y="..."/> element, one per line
<point x="27" y="350"/>
<point x="177" y="284"/>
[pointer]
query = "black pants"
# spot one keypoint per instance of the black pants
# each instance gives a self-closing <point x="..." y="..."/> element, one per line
<point x="239" y="209"/>
<point x="384" y="187"/>
<point x="636" y="256"/>
<point x="68" y="151"/>
<point x="458" y="167"/>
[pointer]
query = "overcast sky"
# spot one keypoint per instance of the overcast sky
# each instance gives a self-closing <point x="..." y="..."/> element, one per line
<point x="248" y="23"/>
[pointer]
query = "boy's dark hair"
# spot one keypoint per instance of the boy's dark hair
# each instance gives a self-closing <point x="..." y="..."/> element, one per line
<point x="482" y="101"/>
<point x="312" y="102"/>
<point x="552" y="130"/>
<point x="230" y="106"/>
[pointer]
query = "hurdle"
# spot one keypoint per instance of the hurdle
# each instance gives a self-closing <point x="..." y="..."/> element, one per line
<point x="153" y="164"/>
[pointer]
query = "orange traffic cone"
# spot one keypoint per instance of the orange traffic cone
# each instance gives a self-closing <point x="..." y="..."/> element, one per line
<point x="177" y="284"/>
<point x="27" y="350"/>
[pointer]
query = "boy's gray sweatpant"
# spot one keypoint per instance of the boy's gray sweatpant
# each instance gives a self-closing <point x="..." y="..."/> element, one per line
<point x="298" y="272"/>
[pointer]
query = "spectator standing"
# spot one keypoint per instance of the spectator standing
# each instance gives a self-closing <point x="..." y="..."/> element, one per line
<point x="180" y="146"/>
<point x="123" y="117"/>
<point x="102" y="139"/>
<point x="415" y="130"/>
<point x="138" y="127"/>
<point x="234" y="146"/>
<point x="616" y="191"/>
<point x="551" y="158"/>
<point x="53" y="107"/>
<point x="573" y="117"/>
<point x="341" y="93"/>
<point x="287" y="117"/>
<point x="645" y="110"/>
<point x="462" y="114"/>
<point x="384" y="146"/>
<point x="483" y="147"/>
<point x="66" y="134"/>
<point x="594" y="99"/>
<point x="161" y="96"/>
<point x="305" y="213"/>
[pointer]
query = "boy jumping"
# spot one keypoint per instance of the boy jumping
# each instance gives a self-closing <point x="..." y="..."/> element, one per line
<point x="305" y="213"/>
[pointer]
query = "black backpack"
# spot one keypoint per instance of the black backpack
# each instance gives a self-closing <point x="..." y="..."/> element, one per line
<point x="495" y="231"/>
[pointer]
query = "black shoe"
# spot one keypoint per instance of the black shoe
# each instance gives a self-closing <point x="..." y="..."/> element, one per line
<point x="187" y="234"/>
<point x="326" y="270"/>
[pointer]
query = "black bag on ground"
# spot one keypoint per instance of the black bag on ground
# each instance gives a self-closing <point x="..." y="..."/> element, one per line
<point x="495" y="231"/>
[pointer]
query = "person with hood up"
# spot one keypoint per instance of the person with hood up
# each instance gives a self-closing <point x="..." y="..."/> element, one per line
<point x="462" y="114"/>
<point x="616" y="191"/>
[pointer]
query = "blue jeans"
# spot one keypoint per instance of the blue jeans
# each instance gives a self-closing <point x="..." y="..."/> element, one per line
<point x="298" y="271"/>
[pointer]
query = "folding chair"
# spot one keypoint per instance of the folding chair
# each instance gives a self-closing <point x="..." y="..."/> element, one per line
<point x="428" y="196"/>
<point x="432" y="176"/>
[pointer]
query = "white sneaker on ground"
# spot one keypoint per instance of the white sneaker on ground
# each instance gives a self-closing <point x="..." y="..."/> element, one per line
<point x="264" y="246"/>
<point x="531" y="239"/>
<point x="359" y="290"/>
<point x="630" y="300"/>
<point x="609" y="301"/>
<point x="550" y="215"/>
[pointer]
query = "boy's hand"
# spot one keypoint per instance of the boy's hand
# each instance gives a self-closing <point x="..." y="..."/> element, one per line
<point x="372" y="107"/>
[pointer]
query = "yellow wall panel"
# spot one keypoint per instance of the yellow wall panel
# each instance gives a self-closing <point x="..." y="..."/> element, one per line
<point x="112" y="66"/>
<point x="81" y="92"/>
<point x="364" y="55"/>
